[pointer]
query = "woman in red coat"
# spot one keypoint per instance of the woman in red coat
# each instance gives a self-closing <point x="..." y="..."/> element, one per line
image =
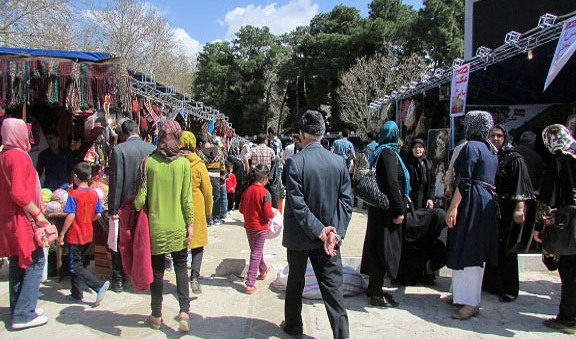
<point x="20" y="189"/>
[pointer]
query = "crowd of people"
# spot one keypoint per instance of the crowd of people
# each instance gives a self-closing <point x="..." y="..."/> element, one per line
<point x="187" y="183"/>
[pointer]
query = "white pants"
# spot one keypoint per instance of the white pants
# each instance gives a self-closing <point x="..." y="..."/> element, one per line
<point x="467" y="285"/>
<point x="45" y="271"/>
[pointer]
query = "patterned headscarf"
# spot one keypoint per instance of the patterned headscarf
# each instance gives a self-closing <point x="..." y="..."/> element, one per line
<point x="169" y="140"/>
<point x="477" y="126"/>
<point x="188" y="141"/>
<point x="389" y="136"/>
<point x="15" y="135"/>
<point x="557" y="138"/>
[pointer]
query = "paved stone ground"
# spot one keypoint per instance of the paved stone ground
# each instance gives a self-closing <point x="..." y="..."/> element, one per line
<point x="224" y="311"/>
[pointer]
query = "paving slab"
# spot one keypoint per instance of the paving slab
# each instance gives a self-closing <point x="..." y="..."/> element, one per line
<point x="224" y="311"/>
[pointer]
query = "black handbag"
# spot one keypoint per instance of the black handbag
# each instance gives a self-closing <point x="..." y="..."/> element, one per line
<point x="560" y="238"/>
<point x="367" y="189"/>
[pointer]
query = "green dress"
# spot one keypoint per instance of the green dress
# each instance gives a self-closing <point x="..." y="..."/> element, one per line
<point x="168" y="195"/>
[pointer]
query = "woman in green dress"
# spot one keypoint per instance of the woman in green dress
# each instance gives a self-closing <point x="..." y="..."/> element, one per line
<point x="165" y="188"/>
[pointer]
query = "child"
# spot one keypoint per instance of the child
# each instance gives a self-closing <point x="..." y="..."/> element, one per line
<point x="83" y="207"/>
<point x="440" y="186"/>
<point x="256" y="206"/>
<point x="231" y="188"/>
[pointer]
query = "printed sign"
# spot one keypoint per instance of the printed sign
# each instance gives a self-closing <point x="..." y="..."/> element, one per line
<point x="459" y="90"/>
<point x="564" y="50"/>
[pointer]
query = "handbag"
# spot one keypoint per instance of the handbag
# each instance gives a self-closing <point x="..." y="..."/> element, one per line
<point x="560" y="238"/>
<point x="44" y="236"/>
<point x="367" y="189"/>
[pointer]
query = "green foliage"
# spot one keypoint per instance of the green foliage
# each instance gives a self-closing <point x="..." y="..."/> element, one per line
<point x="259" y="79"/>
<point x="440" y="26"/>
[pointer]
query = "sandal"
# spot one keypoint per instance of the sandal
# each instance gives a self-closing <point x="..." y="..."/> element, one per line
<point x="262" y="276"/>
<point x="250" y="289"/>
<point x="466" y="312"/>
<point x="183" y="323"/>
<point x="153" y="322"/>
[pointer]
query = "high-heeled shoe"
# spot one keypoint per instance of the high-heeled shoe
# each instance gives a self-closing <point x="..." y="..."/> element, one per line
<point x="466" y="312"/>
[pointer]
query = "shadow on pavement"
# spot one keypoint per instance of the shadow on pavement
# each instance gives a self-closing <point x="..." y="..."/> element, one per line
<point x="234" y="327"/>
<point x="109" y="322"/>
<point x="495" y="318"/>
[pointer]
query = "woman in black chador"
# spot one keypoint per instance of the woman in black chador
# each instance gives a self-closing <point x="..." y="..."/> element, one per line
<point x="514" y="188"/>
<point x="422" y="177"/>
<point x="559" y="190"/>
<point x="383" y="241"/>
<point x="422" y="252"/>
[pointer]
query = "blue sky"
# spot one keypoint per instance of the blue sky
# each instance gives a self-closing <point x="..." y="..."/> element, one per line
<point x="199" y="22"/>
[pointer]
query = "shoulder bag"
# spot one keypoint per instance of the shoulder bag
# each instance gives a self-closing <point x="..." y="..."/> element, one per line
<point x="560" y="238"/>
<point x="367" y="189"/>
<point x="44" y="236"/>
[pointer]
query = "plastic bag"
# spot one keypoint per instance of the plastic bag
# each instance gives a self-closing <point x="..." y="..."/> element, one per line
<point x="352" y="284"/>
<point x="275" y="225"/>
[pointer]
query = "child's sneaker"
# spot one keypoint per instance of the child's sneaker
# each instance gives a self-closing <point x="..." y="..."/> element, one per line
<point x="250" y="289"/>
<point x="217" y="222"/>
<point x="102" y="293"/>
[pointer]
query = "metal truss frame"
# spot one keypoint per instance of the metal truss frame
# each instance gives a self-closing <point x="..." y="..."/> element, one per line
<point x="484" y="57"/>
<point x="145" y="85"/>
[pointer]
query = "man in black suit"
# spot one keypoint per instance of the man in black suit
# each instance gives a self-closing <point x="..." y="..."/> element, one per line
<point x="124" y="164"/>
<point x="318" y="210"/>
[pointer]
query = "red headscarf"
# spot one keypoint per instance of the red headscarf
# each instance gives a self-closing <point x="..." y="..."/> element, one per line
<point x="15" y="135"/>
<point x="169" y="140"/>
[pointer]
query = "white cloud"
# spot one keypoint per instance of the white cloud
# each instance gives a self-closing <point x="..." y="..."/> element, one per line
<point x="280" y="19"/>
<point x="189" y="45"/>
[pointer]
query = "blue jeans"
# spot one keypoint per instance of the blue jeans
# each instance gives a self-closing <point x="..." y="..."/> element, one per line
<point x="216" y="207"/>
<point x="23" y="286"/>
<point x="224" y="205"/>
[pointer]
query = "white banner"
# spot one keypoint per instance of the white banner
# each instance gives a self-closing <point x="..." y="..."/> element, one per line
<point x="459" y="90"/>
<point x="564" y="50"/>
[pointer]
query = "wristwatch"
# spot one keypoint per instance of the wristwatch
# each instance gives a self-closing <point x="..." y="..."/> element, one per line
<point x="339" y="237"/>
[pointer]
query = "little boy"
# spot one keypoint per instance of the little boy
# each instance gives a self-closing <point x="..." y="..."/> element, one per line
<point x="83" y="207"/>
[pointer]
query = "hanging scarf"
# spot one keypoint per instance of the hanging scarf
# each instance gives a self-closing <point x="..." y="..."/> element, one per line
<point x="169" y="140"/>
<point x="477" y="126"/>
<point x="557" y="138"/>
<point x="389" y="136"/>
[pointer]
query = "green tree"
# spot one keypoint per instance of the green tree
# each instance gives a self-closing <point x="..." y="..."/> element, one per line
<point x="370" y="79"/>
<point x="238" y="77"/>
<point x="394" y="21"/>
<point x="440" y="26"/>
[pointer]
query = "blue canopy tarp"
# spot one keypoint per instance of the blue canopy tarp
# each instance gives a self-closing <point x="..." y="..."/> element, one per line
<point x="75" y="55"/>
